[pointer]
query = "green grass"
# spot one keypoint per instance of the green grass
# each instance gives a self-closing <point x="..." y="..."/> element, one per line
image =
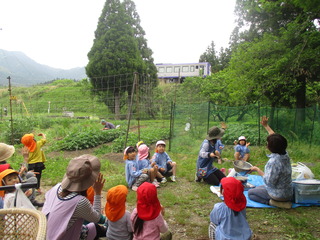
<point x="188" y="204"/>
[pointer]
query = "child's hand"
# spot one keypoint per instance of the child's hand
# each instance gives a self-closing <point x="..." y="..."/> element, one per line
<point x="235" y="142"/>
<point x="162" y="210"/>
<point x="247" y="144"/>
<point x="223" y="125"/>
<point x="145" y="170"/>
<point x="264" y="121"/>
<point x="25" y="153"/>
<point x="28" y="192"/>
<point x="98" y="185"/>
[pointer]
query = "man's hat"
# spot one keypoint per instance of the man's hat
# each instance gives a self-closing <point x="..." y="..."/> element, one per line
<point x="215" y="133"/>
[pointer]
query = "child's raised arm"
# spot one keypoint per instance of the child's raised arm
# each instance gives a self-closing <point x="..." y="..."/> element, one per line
<point x="264" y="122"/>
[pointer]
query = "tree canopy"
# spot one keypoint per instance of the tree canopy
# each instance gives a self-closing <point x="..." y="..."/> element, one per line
<point x="119" y="48"/>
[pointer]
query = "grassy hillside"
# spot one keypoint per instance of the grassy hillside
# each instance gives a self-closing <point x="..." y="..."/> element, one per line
<point x="63" y="95"/>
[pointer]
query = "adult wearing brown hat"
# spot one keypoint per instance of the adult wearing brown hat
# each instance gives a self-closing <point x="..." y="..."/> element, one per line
<point x="66" y="206"/>
<point x="207" y="155"/>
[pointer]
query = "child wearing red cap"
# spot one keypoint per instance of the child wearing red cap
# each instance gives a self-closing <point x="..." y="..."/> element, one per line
<point x="119" y="223"/>
<point x="228" y="219"/>
<point x="33" y="154"/>
<point x="147" y="218"/>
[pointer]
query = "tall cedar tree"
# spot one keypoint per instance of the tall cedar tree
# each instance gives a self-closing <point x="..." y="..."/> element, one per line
<point x="117" y="50"/>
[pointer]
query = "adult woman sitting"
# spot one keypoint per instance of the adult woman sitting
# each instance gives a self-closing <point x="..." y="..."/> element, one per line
<point x="66" y="206"/>
<point x="278" y="189"/>
<point x="207" y="155"/>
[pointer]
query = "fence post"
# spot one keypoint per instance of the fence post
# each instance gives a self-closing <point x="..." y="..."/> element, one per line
<point x="11" y="118"/>
<point x="171" y="124"/>
<point x="130" y="110"/>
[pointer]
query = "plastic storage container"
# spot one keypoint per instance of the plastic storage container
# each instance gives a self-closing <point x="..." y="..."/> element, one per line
<point x="307" y="191"/>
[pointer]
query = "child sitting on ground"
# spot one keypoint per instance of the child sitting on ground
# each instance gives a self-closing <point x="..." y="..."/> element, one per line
<point x="144" y="163"/>
<point x="147" y="218"/>
<point x="134" y="176"/>
<point x="242" y="149"/>
<point x="164" y="162"/>
<point x="11" y="177"/>
<point x="228" y="218"/>
<point x="119" y="223"/>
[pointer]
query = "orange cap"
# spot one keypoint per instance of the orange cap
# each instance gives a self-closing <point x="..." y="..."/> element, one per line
<point x="29" y="142"/>
<point x="116" y="202"/>
<point x="90" y="194"/>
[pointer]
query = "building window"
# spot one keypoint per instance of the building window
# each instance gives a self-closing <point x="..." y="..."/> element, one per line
<point x="161" y="69"/>
<point x="169" y="69"/>
<point x="191" y="68"/>
<point x="185" y="69"/>
<point x="176" y="69"/>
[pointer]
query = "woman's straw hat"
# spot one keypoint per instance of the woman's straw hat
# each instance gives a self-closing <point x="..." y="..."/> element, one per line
<point x="6" y="151"/>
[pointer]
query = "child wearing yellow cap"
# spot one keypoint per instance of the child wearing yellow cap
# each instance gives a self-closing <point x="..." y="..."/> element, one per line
<point x="119" y="223"/>
<point x="11" y="177"/>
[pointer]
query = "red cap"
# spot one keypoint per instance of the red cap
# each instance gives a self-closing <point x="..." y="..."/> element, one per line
<point x="233" y="194"/>
<point x="4" y="167"/>
<point x="29" y="142"/>
<point x="148" y="205"/>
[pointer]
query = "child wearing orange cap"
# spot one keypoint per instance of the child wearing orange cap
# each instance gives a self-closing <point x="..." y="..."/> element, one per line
<point x="11" y="177"/>
<point x="119" y="223"/>
<point x="228" y="218"/>
<point x="147" y="218"/>
<point x="34" y="155"/>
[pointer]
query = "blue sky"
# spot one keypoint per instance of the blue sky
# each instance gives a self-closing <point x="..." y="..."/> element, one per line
<point x="60" y="33"/>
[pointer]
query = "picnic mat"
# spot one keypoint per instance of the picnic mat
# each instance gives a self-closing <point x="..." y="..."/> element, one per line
<point x="257" y="181"/>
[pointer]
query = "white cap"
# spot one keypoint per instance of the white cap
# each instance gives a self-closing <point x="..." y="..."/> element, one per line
<point x="241" y="138"/>
<point x="160" y="142"/>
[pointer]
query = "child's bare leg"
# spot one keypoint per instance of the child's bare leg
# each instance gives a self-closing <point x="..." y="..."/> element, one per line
<point x="246" y="157"/>
<point x="174" y="168"/>
<point x="237" y="156"/>
<point x="159" y="175"/>
<point x="151" y="173"/>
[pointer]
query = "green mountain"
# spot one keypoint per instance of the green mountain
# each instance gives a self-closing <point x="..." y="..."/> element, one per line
<point x="24" y="71"/>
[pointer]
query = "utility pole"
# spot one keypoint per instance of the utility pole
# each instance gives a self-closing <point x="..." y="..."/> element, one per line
<point x="11" y="119"/>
